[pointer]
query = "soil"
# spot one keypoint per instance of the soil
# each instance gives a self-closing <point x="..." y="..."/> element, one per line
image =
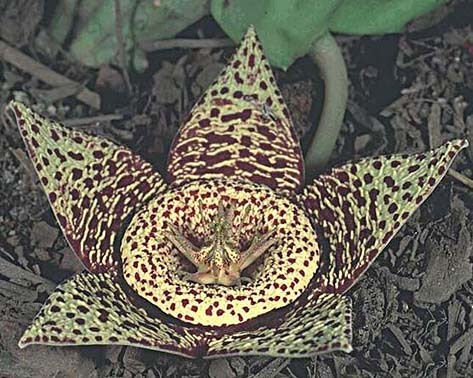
<point x="413" y="309"/>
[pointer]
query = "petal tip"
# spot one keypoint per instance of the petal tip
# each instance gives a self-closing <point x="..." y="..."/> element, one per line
<point x="18" y="108"/>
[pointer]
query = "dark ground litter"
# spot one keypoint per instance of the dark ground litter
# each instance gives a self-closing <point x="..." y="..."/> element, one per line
<point x="413" y="310"/>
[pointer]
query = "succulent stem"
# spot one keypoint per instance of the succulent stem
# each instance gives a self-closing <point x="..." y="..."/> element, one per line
<point x="327" y="55"/>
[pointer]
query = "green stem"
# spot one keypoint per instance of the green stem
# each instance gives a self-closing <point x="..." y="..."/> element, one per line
<point x="328" y="57"/>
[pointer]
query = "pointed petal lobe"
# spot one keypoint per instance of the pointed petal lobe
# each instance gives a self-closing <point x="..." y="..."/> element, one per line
<point x="360" y="206"/>
<point x="321" y="325"/>
<point x="92" y="184"/>
<point x="240" y="128"/>
<point x="92" y="309"/>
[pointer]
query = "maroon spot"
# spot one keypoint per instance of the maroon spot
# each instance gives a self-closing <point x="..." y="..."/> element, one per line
<point x="214" y="112"/>
<point x="388" y="180"/>
<point x="386" y="199"/>
<point x="373" y="194"/>
<point x="243" y="115"/>
<point x="35" y="128"/>
<point x="406" y="185"/>
<point x="251" y="60"/>
<point x="54" y="135"/>
<point x="387" y="236"/>
<point x="124" y="181"/>
<point x="83" y="309"/>
<point x="263" y="85"/>
<point x="76" y="212"/>
<point x="238" y="94"/>
<point x="103" y="317"/>
<point x="392" y="208"/>
<point x="75" y="194"/>
<point x="52" y="197"/>
<point x="357" y="183"/>
<point x="76" y="173"/>
<point x="395" y="163"/>
<point x="245" y="141"/>
<point x="407" y="197"/>
<point x="55" y="308"/>
<point x="343" y="190"/>
<point x="244" y="166"/>
<point x="413" y="168"/>
<point x="88" y="183"/>
<point x="238" y="78"/>
<point x="343" y="176"/>
<point x="60" y="156"/>
<point x="98" y="154"/>
<point x="62" y="220"/>
<point x="76" y="155"/>
<point x="368" y="178"/>
<point x="204" y="122"/>
<point x="377" y="165"/>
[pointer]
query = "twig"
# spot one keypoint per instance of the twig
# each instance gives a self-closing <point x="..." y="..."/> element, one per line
<point x="14" y="272"/>
<point x="92" y="120"/>
<point x="121" y="45"/>
<point x="183" y="43"/>
<point x="273" y="368"/>
<point x="462" y="178"/>
<point x="433" y="125"/>
<point x="45" y="74"/>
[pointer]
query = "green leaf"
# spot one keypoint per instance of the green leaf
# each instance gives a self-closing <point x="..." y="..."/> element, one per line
<point x="95" y="42"/>
<point x="378" y="16"/>
<point x="286" y="29"/>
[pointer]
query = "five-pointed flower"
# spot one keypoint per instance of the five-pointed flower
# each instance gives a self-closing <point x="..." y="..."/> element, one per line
<point x="231" y="254"/>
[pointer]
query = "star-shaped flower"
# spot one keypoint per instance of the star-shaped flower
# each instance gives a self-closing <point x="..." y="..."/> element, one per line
<point x="230" y="255"/>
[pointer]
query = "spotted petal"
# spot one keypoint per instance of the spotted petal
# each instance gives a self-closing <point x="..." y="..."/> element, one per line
<point x="240" y="128"/>
<point x="91" y="309"/>
<point x="320" y="325"/>
<point x="92" y="184"/>
<point x="360" y="206"/>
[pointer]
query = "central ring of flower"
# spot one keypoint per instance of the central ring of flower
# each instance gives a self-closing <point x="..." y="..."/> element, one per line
<point x="158" y="268"/>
